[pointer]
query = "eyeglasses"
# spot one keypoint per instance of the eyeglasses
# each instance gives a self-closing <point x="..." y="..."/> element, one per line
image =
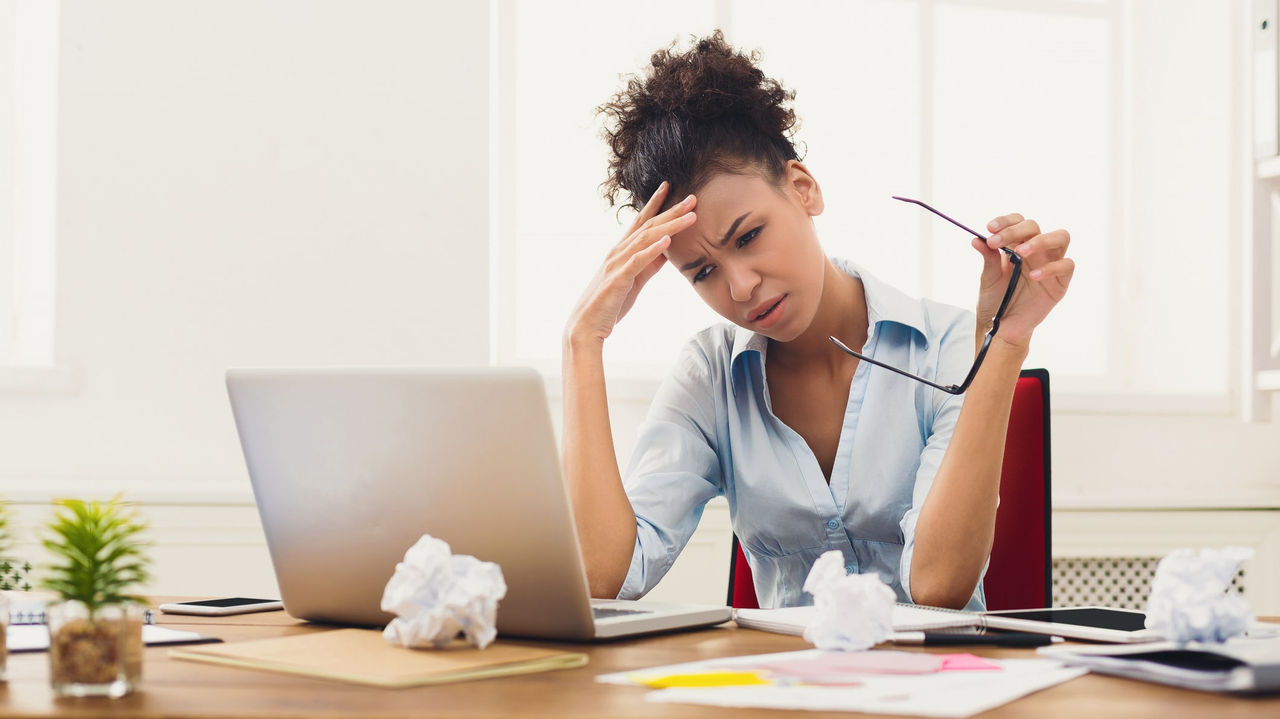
<point x="1014" y="259"/>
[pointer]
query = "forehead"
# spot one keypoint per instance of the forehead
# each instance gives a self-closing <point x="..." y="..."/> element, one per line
<point x="721" y="201"/>
<point x="732" y="194"/>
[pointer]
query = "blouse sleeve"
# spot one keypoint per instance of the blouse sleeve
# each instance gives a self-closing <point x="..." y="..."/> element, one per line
<point x="957" y="356"/>
<point x="674" y="470"/>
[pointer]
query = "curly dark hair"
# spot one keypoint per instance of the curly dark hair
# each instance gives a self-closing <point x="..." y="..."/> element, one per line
<point x="695" y="114"/>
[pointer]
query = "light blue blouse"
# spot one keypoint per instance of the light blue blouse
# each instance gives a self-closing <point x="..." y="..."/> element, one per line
<point x="711" y="432"/>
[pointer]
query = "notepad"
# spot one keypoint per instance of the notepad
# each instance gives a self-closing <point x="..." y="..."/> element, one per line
<point x="1098" y="624"/>
<point x="363" y="656"/>
<point x="1239" y="665"/>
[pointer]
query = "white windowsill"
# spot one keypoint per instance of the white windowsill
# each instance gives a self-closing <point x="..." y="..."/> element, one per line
<point x="1267" y="380"/>
<point x="1268" y="169"/>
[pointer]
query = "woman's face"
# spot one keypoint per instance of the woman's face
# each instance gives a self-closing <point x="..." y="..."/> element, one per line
<point x="753" y="254"/>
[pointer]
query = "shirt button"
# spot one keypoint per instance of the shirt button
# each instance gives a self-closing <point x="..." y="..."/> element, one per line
<point x="832" y="524"/>
<point x="848" y="568"/>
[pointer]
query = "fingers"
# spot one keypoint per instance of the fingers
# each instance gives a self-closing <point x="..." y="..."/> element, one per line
<point x="1061" y="270"/>
<point x="991" y="258"/>
<point x="649" y="216"/>
<point x="639" y="255"/>
<point x="677" y="217"/>
<point x="650" y="270"/>
<point x="1004" y="221"/>
<point x="651" y="207"/>
<point x="626" y="265"/>
<point x="1043" y="254"/>
<point x="643" y="265"/>
<point x="1014" y="234"/>
<point x="639" y="262"/>
<point x="1024" y="237"/>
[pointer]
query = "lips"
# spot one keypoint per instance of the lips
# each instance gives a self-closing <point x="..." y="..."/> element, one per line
<point x="766" y="310"/>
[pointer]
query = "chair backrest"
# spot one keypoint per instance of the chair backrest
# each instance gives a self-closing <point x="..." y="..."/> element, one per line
<point x="1019" y="575"/>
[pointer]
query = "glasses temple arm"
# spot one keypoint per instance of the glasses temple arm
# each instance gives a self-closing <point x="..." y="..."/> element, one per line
<point x="950" y="388"/>
<point x="955" y="222"/>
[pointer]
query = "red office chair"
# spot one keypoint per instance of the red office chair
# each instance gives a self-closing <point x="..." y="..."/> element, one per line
<point x="1019" y="575"/>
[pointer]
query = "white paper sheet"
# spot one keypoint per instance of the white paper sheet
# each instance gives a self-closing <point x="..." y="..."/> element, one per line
<point x="941" y="694"/>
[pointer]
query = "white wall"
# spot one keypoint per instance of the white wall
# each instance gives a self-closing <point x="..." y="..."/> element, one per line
<point x="245" y="183"/>
<point x="250" y="183"/>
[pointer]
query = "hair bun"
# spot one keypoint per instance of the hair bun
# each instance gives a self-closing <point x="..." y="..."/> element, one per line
<point x="695" y="112"/>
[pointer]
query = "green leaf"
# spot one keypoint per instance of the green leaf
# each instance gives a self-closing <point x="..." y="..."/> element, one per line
<point x="100" y="551"/>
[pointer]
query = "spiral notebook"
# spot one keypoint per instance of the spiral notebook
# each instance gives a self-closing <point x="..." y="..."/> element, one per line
<point x="28" y="607"/>
<point x="906" y="618"/>
<point x="1098" y="624"/>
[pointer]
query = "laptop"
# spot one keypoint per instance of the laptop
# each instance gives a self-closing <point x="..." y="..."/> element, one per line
<point x="350" y="467"/>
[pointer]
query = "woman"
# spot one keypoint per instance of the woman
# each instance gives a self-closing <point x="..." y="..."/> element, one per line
<point x="813" y="448"/>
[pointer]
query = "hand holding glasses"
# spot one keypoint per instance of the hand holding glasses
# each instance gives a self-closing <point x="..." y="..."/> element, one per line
<point x="1014" y="259"/>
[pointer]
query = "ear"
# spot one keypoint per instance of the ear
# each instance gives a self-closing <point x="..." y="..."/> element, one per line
<point x="803" y="186"/>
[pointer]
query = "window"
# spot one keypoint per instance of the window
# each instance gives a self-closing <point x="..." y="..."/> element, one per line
<point x="1071" y="112"/>
<point x="28" y="136"/>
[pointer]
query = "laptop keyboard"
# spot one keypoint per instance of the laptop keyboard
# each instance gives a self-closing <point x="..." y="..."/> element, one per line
<point x="606" y="612"/>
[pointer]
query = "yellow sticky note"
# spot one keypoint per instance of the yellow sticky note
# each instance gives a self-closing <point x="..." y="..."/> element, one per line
<point x="704" y="679"/>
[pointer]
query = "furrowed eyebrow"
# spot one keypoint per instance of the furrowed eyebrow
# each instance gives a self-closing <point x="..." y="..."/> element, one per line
<point x="733" y="228"/>
<point x="723" y="241"/>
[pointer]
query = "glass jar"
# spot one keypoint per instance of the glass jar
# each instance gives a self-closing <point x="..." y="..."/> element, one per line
<point x="94" y="654"/>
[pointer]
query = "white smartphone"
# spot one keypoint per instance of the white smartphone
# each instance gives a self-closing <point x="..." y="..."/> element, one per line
<point x="222" y="607"/>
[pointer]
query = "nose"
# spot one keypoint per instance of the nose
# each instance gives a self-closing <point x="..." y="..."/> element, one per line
<point x="742" y="280"/>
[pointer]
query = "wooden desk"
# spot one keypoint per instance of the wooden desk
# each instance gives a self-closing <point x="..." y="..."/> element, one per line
<point x="173" y="688"/>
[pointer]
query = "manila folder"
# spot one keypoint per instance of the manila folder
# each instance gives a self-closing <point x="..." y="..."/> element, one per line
<point x="363" y="656"/>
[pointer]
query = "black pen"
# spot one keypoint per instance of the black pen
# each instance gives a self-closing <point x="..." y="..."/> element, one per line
<point x="1008" y="639"/>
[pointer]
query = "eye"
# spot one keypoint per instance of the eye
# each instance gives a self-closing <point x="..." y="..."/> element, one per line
<point x="702" y="273"/>
<point x="747" y="238"/>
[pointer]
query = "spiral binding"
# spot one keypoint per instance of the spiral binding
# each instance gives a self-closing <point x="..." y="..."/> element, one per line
<point x="36" y="616"/>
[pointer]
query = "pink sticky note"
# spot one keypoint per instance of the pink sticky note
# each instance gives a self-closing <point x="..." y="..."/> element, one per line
<point x="965" y="662"/>
<point x="852" y="663"/>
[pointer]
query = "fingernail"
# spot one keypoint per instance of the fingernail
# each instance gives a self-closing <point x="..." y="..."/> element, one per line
<point x="994" y="239"/>
<point x="1024" y="249"/>
<point x="1036" y="274"/>
<point x="687" y="200"/>
<point x="993" y="225"/>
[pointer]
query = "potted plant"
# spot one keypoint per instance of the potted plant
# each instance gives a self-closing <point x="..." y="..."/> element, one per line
<point x="95" y="631"/>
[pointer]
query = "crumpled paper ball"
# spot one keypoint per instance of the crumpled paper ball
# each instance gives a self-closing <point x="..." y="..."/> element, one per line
<point x="1190" y="600"/>
<point x="435" y="595"/>
<point x="852" y="611"/>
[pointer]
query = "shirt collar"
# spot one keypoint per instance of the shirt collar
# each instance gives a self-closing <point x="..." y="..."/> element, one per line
<point x="885" y="303"/>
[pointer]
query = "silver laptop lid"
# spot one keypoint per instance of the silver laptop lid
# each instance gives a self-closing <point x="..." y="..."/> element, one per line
<point x="350" y="467"/>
